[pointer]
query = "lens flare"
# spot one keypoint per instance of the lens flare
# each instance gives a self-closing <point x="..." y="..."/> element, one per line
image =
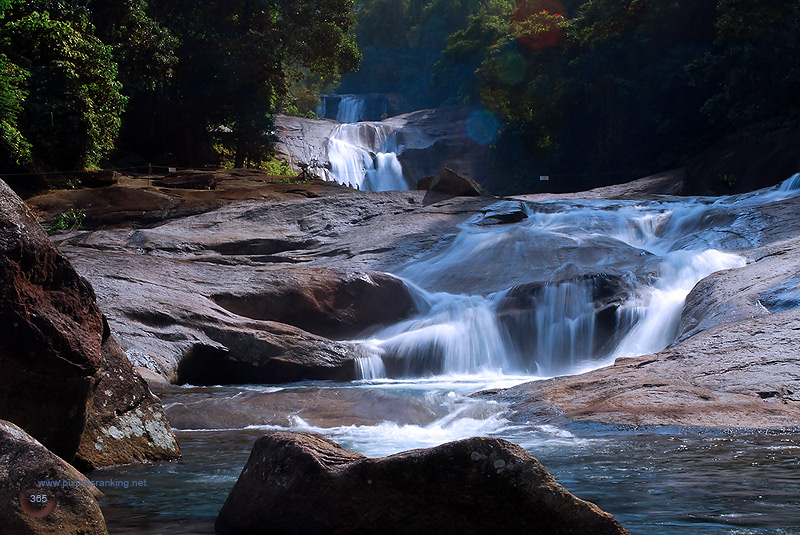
<point x="482" y="127"/>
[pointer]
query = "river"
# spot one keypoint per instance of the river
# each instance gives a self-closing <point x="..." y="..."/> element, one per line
<point x="612" y="280"/>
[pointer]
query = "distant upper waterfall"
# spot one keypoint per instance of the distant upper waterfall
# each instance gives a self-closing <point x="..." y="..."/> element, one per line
<point x="364" y="156"/>
<point x="352" y="108"/>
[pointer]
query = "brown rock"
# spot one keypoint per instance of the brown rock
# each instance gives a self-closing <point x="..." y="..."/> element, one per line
<point x="303" y="483"/>
<point x="126" y="423"/>
<point x="744" y="375"/>
<point x="98" y="179"/>
<point x="214" y="323"/>
<point x="329" y="303"/>
<point x="188" y="179"/>
<point x="51" y="330"/>
<point x="24" y="463"/>
<point x="57" y="351"/>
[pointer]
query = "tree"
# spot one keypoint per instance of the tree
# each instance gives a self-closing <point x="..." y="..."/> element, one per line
<point x="60" y="87"/>
<point x="752" y="74"/>
<point x="236" y="59"/>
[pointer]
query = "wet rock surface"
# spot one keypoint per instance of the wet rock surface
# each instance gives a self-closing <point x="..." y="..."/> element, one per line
<point x="209" y="323"/>
<point x="302" y="483"/>
<point x="320" y="407"/>
<point x="67" y="510"/>
<point x="739" y="375"/>
<point x="430" y="139"/>
<point x="191" y="290"/>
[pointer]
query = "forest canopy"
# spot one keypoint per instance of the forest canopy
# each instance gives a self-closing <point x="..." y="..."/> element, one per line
<point x="597" y="90"/>
<point x="155" y="79"/>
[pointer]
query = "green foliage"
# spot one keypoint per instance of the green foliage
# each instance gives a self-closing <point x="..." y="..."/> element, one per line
<point x="753" y="70"/>
<point x="590" y="92"/>
<point x="277" y="167"/>
<point x="728" y="180"/>
<point x="14" y="148"/>
<point x="188" y="73"/>
<point x="72" y="219"/>
<point x="236" y="62"/>
<point x="66" y="102"/>
<point x="401" y="42"/>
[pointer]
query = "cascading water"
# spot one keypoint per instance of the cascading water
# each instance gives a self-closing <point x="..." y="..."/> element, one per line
<point x="570" y="287"/>
<point x="630" y="268"/>
<point x="351" y="109"/>
<point x="364" y="156"/>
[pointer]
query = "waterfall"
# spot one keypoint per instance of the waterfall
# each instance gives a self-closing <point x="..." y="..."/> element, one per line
<point x="351" y="109"/>
<point x="790" y="184"/>
<point x="653" y="315"/>
<point x="570" y="288"/>
<point x="364" y="156"/>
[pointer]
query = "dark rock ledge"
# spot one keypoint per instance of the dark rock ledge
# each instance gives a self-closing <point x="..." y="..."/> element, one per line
<point x="302" y="483"/>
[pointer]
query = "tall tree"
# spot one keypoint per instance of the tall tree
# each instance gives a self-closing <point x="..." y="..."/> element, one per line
<point x="61" y="89"/>
<point x="237" y="58"/>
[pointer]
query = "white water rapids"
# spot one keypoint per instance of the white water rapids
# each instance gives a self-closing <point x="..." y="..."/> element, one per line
<point x="620" y="293"/>
<point x="571" y="287"/>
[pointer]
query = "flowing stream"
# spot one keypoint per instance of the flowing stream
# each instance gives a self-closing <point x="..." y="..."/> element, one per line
<point x="569" y="287"/>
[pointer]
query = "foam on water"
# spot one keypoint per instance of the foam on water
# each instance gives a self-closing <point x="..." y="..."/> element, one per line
<point x="661" y="249"/>
<point x="388" y="437"/>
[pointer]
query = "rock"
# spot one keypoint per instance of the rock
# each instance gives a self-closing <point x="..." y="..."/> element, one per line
<point x="126" y="423"/>
<point x="334" y="304"/>
<point x="97" y="179"/>
<point x="51" y="330"/>
<point x="714" y="379"/>
<point x="430" y="139"/>
<point x="666" y="183"/>
<point x="212" y="323"/>
<point x="57" y="350"/>
<point x="449" y="182"/>
<point x="769" y="283"/>
<point x="265" y="352"/>
<point x="188" y="179"/>
<point x="24" y="462"/>
<point x="744" y="164"/>
<point x="502" y="213"/>
<point x="303" y="483"/>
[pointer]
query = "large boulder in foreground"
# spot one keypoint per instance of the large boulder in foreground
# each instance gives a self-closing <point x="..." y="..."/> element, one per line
<point x="51" y="330"/>
<point x="303" y="483"/>
<point x="64" y="510"/>
<point x="56" y="352"/>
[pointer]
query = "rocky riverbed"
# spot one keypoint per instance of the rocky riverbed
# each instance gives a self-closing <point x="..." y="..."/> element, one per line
<point x="277" y="289"/>
<point x="393" y="320"/>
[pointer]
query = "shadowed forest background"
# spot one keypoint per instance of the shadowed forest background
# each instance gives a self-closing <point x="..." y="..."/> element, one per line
<point x="602" y="91"/>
